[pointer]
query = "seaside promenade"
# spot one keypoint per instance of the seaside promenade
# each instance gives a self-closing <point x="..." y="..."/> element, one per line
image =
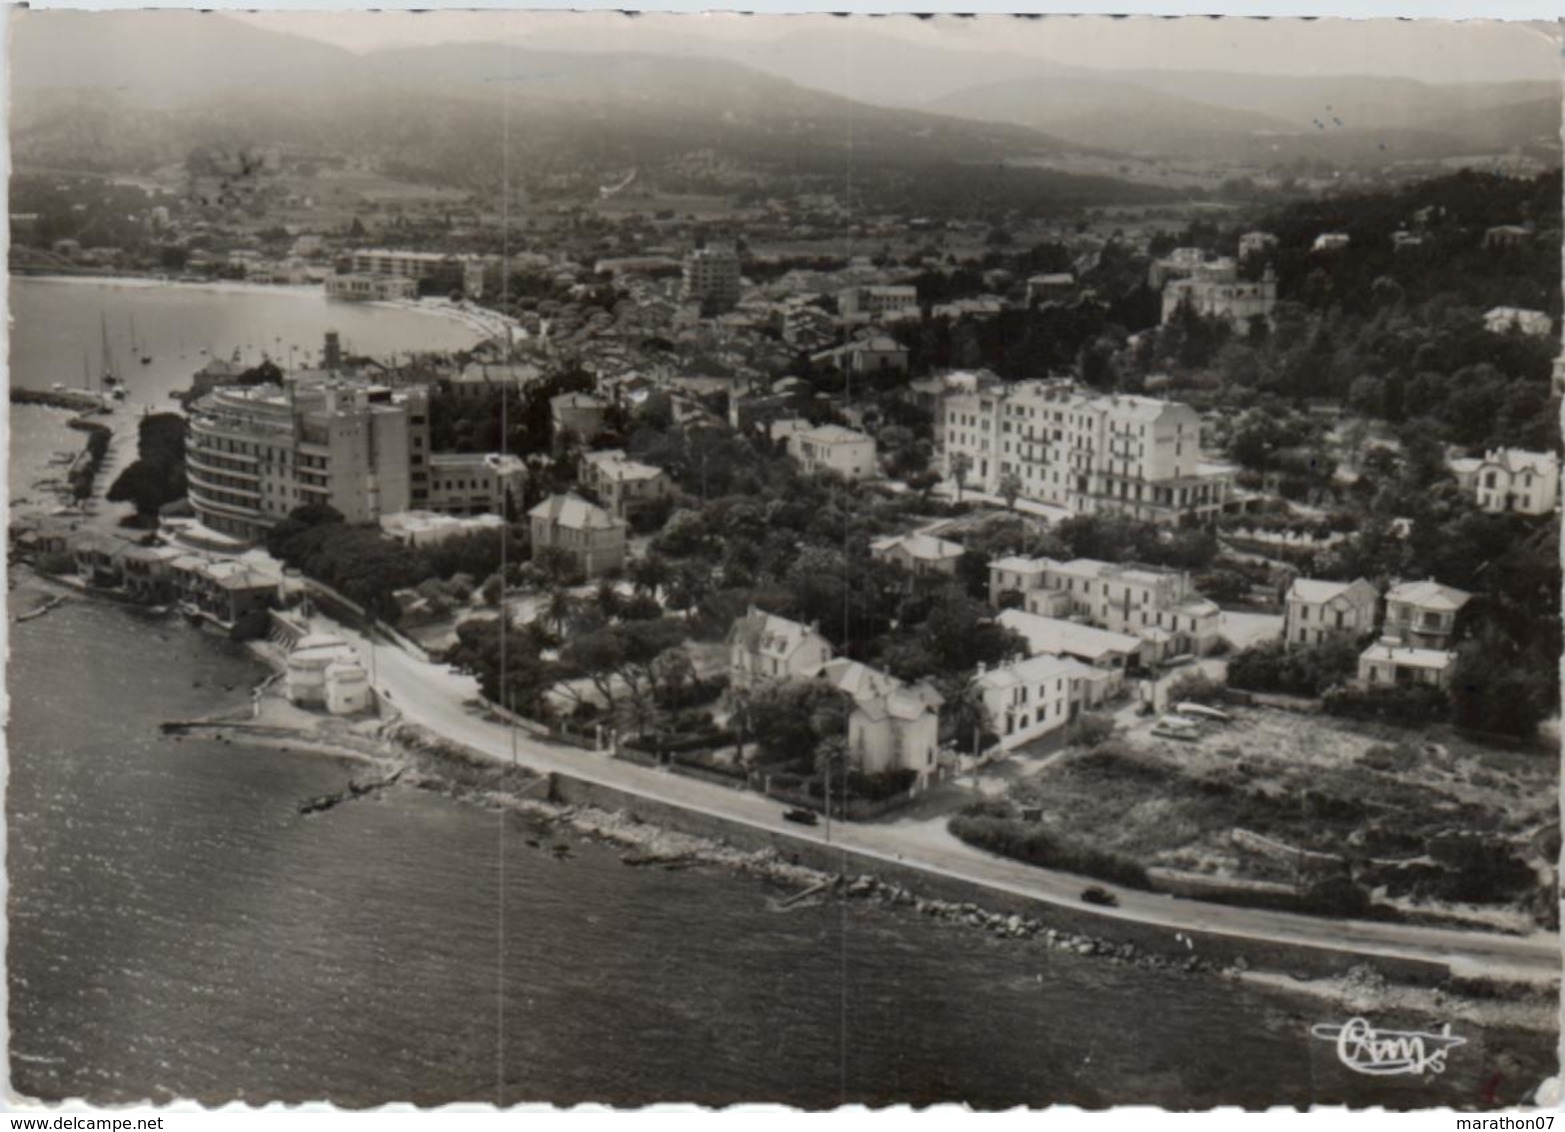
<point x="447" y="703"/>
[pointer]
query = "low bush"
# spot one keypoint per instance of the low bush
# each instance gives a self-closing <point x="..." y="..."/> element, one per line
<point x="1272" y="667"/>
<point x="1037" y="845"/>
<point x="1114" y="763"/>
<point x="1408" y="706"/>
<point x="871" y="787"/>
<point x="1089" y="730"/>
<point x="1390" y="759"/>
<point x="1196" y="688"/>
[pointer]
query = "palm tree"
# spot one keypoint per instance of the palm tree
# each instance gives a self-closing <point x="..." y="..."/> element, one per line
<point x="1010" y="487"/>
<point x="831" y="754"/>
<point x="739" y="719"/>
<point x="966" y="714"/>
<point x="961" y="464"/>
<point x="559" y="610"/>
<point x="607" y="599"/>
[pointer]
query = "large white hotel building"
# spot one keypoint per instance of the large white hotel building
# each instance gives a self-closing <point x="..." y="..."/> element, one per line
<point x="255" y="454"/>
<point x="1086" y="453"/>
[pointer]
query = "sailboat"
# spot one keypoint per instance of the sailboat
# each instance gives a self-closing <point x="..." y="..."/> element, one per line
<point x="110" y="381"/>
<point x="135" y="350"/>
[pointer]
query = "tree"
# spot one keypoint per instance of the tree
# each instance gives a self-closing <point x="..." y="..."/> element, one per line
<point x="649" y="573"/>
<point x="149" y="486"/>
<point x="558" y="610"/>
<point x="961" y="464"/>
<point x="620" y="660"/>
<point x="1495" y="689"/>
<point x="1010" y="487"/>
<point x="557" y="564"/>
<point x="790" y="719"/>
<point x="965" y="716"/>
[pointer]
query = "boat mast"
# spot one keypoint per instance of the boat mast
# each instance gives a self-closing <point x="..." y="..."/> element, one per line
<point x="108" y="356"/>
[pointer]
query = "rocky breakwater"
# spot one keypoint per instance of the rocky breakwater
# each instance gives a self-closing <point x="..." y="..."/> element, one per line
<point x="1015" y="926"/>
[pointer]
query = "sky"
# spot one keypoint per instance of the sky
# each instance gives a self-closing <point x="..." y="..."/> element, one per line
<point x="1437" y="51"/>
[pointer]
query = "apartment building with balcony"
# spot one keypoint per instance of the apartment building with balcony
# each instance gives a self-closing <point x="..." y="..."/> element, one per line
<point x="711" y="274"/>
<point x="1423" y="614"/>
<point x="257" y="453"/>
<point x="474" y="483"/>
<point x="1087" y="453"/>
<point x="384" y="263"/>
<point x="1160" y="606"/>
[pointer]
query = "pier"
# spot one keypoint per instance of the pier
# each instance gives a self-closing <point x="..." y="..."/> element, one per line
<point x="77" y="400"/>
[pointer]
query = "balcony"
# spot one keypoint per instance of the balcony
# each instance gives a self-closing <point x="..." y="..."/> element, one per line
<point x="204" y="503"/>
<point x="196" y="458"/>
<point x="219" y="485"/>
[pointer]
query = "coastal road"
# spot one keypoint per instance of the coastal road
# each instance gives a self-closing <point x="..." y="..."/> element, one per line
<point x="446" y="703"/>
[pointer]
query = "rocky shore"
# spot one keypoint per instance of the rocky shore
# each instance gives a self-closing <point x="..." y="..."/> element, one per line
<point x="397" y="752"/>
<point x="422" y="760"/>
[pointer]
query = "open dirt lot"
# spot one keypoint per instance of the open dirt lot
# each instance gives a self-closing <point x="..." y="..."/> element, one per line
<point x="1377" y="797"/>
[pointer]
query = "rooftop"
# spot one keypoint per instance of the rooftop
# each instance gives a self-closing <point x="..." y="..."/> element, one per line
<point x="575" y="513"/>
<point x="1434" y="659"/>
<point x="1429" y="594"/>
<point x="1052" y="635"/>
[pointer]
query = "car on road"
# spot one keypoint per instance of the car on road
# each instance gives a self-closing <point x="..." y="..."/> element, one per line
<point x="1177" y="727"/>
<point x="1100" y="896"/>
<point x="801" y="816"/>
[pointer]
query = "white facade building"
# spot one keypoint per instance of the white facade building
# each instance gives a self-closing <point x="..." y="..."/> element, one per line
<point x="1319" y="611"/>
<point x="893" y="726"/>
<point x="257" y="453"/>
<point x="1387" y="664"/>
<point x="763" y="646"/>
<point x="1159" y="606"/>
<point x="1215" y="289"/>
<point x="1028" y="699"/>
<point x="1122" y="454"/>
<point x="1511" y="480"/>
<point x="865" y="304"/>
<point x="828" y="448"/>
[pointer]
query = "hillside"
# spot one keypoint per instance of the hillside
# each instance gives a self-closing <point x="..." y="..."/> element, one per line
<point x="1352" y="120"/>
<point x="131" y="94"/>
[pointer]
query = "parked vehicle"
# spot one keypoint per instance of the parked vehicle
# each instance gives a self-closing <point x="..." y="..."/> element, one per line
<point x="1201" y="711"/>
<point x="801" y="816"/>
<point x="1177" y="727"/>
<point x="1100" y="896"/>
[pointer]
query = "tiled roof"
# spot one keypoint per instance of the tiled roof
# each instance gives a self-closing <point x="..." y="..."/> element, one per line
<point x="574" y="512"/>
<point x="1429" y="594"/>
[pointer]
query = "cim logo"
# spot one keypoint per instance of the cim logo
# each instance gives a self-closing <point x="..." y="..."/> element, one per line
<point x="1387" y="1053"/>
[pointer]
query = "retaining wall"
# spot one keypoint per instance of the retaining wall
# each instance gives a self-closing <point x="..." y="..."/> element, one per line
<point x="1212" y="947"/>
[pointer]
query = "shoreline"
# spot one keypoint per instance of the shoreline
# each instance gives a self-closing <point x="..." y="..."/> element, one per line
<point x="481" y="320"/>
<point x="665" y="834"/>
<point x="423" y="761"/>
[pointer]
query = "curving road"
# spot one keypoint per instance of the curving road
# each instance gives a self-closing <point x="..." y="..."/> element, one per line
<point x="446" y="702"/>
